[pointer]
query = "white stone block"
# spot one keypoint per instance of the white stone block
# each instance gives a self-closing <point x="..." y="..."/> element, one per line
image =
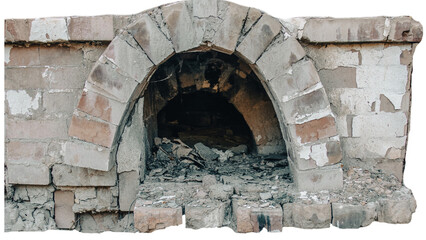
<point x="364" y="148"/>
<point x="379" y="125"/>
<point x="353" y="100"/>
<point x="49" y="30"/>
<point x="392" y="79"/>
<point x="20" y="102"/>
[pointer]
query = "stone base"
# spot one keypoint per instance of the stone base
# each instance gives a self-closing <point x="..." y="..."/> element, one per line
<point x="148" y="218"/>
<point x="326" y="178"/>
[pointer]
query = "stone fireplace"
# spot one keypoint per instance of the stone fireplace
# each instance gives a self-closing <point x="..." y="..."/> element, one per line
<point x="211" y="110"/>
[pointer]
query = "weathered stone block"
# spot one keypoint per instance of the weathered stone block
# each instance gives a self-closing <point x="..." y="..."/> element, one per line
<point x="333" y="56"/>
<point x="22" y="56"/>
<point x="64" y="216"/>
<point x="353" y="101"/>
<point x="252" y="46"/>
<point x="314" y="130"/>
<point x="59" y="103"/>
<point x="28" y="174"/>
<point x="88" y="155"/>
<point x="128" y="189"/>
<point x="25" y="152"/>
<point x="388" y="79"/>
<point x="36" y="129"/>
<point x="151" y="39"/>
<point x="181" y="28"/>
<point x="204" y="8"/>
<point x="341" y="77"/>
<point x="133" y="143"/>
<point x="61" y="56"/>
<point x="301" y="215"/>
<point x="64" y="175"/>
<point x="101" y="107"/>
<point x="23" y="102"/>
<point x="392" y="166"/>
<point x="405" y="29"/>
<point x="49" y="30"/>
<point x="353" y="216"/>
<point x="318" y="155"/>
<point x="125" y="52"/>
<point x="90" y="130"/>
<point x="398" y="209"/>
<point x="221" y="192"/>
<point x="98" y="28"/>
<point x="249" y="217"/>
<point x="17" y="30"/>
<point x="25" y="78"/>
<point x="365" y="148"/>
<point x="99" y="222"/>
<point x="107" y="80"/>
<point x="148" y="219"/>
<point x="325" y="178"/>
<point x="227" y="35"/>
<point x="66" y="77"/>
<point x="283" y="54"/>
<point x="305" y="105"/>
<point x="379" y="125"/>
<point x="105" y="200"/>
<point x="345" y="30"/>
<point x="205" y="213"/>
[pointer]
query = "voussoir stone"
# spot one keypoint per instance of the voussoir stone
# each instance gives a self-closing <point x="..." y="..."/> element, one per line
<point x="151" y="39"/>
<point x="125" y="52"/>
<point x="228" y="33"/>
<point x="181" y="28"/>
<point x="283" y="54"/>
<point x="106" y="79"/>
<point x="252" y="46"/>
<point x="90" y="130"/>
<point x="101" y="107"/>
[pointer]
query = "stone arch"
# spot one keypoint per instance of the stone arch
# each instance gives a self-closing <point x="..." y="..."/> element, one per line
<point x="123" y="71"/>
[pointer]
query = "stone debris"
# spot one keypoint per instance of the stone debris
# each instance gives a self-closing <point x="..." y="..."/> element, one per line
<point x="262" y="195"/>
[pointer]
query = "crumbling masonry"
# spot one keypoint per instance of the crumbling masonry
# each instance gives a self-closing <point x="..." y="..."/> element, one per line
<point x="210" y="109"/>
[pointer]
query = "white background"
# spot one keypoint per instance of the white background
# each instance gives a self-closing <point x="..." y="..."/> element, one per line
<point x="415" y="161"/>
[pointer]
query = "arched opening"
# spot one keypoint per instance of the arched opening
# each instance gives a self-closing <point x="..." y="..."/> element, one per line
<point x="210" y="112"/>
<point x="213" y="98"/>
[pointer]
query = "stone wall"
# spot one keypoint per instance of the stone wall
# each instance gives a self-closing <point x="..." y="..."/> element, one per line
<point x="364" y="66"/>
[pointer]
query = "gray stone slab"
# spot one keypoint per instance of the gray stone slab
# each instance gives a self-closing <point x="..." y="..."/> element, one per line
<point x="64" y="175"/>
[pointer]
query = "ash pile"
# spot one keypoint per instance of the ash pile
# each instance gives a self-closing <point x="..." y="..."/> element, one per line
<point x="175" y="161"/>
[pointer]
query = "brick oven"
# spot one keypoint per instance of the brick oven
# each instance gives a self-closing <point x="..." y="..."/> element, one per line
<point x="211" y="110"/>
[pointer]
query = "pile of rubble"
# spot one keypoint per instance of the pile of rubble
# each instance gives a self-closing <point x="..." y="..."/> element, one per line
<point x="247" y="192"/>
<point x="176" y="161"/>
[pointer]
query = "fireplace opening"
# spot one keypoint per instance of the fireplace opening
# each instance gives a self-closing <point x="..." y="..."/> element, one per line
<point x="207" y="113"/>
<point x="204" y="117"/>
